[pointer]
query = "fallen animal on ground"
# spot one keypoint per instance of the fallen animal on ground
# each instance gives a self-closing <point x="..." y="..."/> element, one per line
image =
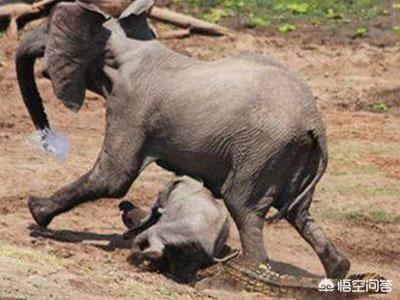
<point x="187" y="228"/>
<point x="247" y="126"/>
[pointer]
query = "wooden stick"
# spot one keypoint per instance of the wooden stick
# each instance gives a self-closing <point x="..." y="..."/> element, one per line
<point x="15" y="11"/>
<point x="12" y="29"/>
<point x="42" y="3"/>
<point x="10" y="11"/>
<point x="174" y="34"/>
<point x="195" y="25"/>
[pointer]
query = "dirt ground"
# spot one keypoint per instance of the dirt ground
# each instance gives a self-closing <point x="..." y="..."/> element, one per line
<point x="357" y="202"/>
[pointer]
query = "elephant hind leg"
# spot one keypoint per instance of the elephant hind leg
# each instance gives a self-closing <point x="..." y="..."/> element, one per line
<point x="336" y="265"/>
<point x="248" y="219"/>
<point x="304" y="168"/>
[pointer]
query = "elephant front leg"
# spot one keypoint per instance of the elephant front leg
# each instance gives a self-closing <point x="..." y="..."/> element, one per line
<point x="105" y="180"/>
<point x="116" y="168"/>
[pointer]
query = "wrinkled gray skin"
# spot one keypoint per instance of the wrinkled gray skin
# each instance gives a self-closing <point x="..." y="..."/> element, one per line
<point x="191" y="230"/>
<point x="248" y="126"/>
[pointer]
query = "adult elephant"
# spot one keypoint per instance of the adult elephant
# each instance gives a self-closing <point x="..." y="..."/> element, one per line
<point x="248" y="126"/>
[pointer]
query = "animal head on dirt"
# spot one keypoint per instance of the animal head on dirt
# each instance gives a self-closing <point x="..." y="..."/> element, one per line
<point x="75" y="51"/>
<point x="133" y="216"/>
<point x="182" y="187"/>
<point x="190" y="230"/>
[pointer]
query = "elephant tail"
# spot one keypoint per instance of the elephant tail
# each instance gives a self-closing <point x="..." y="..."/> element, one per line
<point x="31" y="48"/>
<point x="319" y="140"/>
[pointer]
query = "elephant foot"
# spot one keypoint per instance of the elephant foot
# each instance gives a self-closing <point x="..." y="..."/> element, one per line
<point x="338" y="269"/>
<point x="40" y="208"/>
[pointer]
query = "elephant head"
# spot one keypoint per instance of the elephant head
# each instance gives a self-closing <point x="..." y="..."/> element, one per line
<point x="73" y="44"/>
<point x="178" y="188"/>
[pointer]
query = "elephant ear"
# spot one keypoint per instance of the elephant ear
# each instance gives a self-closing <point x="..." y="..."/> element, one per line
<point x="76" y="39"/>
<point x="137" y="8"/>
<point x="164" y="194"/>
<point x="133" y="20"/>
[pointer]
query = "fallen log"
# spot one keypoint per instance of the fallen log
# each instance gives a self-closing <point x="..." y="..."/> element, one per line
<point x="13" y="12"/>
<point x="12" y="29"/>
<point x="16" y="10"/>
<point x="174" y="34"/>
<point x="43" y="3"/>
<point x="193" y="24"/>
<point x="20" y="9"/>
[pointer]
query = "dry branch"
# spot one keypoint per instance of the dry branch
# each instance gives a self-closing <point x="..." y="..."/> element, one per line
<point x="174" y="34"/>
<point x="20" y="9"/>
<point x="193" y="24"/>
<point x="15" y="11"/>
<point x="12" y="29"/>
<point x="42" y="3"/>
<point x="10" y="11"/>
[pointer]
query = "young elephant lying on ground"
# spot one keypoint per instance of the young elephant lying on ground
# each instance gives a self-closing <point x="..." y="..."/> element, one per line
<point x="186" y="228"/>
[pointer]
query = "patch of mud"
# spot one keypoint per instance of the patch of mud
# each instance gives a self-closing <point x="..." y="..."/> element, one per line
<point x="389" y="165"/>
<point x="12" y="204"/>
<point x="378" y="128"/>
<point x="377" y="242"/>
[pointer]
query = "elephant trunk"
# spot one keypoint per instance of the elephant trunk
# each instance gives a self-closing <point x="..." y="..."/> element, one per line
<point x="31" y="48"/>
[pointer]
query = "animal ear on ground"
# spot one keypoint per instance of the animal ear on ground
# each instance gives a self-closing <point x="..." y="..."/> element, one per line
<point x="165" y="192"/>
<point x="137" y="8"/>
<point x="133" y="20"/>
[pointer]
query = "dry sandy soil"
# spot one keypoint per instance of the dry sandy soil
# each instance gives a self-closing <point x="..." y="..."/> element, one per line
<point x="357" y="202"/>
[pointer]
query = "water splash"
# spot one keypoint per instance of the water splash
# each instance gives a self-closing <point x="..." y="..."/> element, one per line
<point x="52" y="142"/>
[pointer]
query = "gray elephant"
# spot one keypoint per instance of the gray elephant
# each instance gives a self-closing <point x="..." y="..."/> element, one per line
<point x="186" y="227"/>
<point x="247" y="126"/>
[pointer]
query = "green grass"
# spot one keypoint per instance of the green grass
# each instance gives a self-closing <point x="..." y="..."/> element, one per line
<point x="380" y="106"/>
<point x="265" y="12"/>
<point x="20" y="256"/>
<point x="373" y="216"/>
<point x="164" y="291"/>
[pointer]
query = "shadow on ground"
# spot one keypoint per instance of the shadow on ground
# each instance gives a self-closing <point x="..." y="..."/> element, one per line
<point x="114" y="240"/>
